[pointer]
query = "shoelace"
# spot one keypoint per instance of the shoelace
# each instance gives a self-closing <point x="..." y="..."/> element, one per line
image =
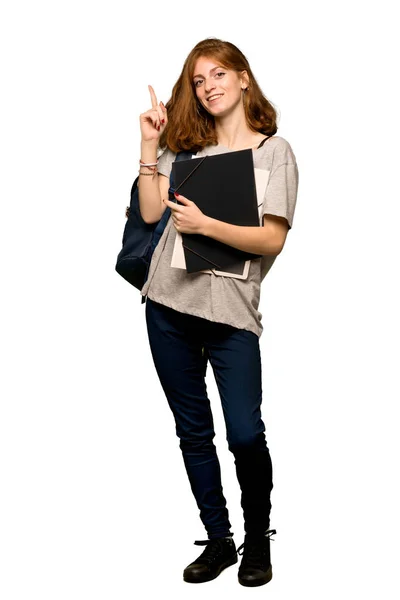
<point x="255" y="549"/>
<point x="213" y="549"/>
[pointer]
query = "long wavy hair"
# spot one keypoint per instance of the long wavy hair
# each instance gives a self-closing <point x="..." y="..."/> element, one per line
<point x="190" y="126"/>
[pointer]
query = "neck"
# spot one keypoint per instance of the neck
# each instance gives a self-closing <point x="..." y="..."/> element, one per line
<point x="233" y="131"/>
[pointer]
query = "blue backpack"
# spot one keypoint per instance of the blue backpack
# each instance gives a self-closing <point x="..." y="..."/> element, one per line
<point x="139" y="238"/>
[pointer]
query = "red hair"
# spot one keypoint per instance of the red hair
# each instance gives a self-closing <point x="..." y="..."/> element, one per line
<point x="190" y="126"/>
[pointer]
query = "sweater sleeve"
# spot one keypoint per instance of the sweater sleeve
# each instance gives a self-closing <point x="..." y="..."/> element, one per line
<point x="165" y="161"/>
<point x="281" y="193"/>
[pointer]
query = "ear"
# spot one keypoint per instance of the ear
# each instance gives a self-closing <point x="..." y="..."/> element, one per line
<point x="244" y="80"/>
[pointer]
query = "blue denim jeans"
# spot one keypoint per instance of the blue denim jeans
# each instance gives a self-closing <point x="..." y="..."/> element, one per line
<point x="181" y="345"/>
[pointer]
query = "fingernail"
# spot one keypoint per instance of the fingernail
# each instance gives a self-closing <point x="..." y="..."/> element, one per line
<point x="162" y="120"/>
<point x="175" y="194"/>
<point x="158" y="128"/>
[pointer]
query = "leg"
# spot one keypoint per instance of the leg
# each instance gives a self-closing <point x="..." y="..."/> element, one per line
<point x="234" y="355"/>
<point x="176" y="348"/>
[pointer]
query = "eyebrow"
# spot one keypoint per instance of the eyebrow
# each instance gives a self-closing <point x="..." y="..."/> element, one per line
<point x="214" y="69"/>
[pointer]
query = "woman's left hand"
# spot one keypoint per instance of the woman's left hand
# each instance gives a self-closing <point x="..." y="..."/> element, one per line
<point x="188" y="218"/>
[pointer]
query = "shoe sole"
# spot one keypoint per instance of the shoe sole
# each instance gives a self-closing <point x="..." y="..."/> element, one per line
<point x="192" y="579"/>
<point x="255" y="582"/>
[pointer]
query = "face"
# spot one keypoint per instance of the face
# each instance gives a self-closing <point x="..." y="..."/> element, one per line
<point x="218" y="89"/>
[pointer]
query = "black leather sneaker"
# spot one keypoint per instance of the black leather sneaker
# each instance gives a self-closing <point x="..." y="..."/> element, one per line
<point x="255" y="568"/>
<point x="218" y="554"/>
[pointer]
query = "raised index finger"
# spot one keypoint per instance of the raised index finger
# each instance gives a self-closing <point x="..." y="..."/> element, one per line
<point x="153" y="96"/>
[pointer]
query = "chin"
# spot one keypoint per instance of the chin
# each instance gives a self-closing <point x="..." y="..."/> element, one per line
<point x="216" y="111"/>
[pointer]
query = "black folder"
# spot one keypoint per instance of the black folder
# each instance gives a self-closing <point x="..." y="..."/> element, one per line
<point x="223" y="187"/>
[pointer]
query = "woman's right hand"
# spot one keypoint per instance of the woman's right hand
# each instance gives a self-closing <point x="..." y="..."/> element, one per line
<point x="153" y="121"/>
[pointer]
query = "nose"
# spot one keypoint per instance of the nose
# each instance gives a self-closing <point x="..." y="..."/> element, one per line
<point x="209" y="85"/>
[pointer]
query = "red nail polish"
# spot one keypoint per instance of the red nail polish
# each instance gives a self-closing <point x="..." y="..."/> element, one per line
<point x="163" y="121"/>
<point x="176" y="194"/>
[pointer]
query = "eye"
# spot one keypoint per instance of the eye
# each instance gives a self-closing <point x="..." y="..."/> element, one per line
<point x="220" y="73"/>
<point x="198" y="81"/>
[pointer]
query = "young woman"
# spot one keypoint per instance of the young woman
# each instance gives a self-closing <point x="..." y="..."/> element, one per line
<point x="216" y="107"/>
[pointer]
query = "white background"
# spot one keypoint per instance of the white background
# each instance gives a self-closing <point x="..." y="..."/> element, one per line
<point x="95" y="501"/>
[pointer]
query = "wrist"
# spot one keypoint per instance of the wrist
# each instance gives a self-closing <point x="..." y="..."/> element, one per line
<point x="207" y="226"/>
<point x="148" y="151"/>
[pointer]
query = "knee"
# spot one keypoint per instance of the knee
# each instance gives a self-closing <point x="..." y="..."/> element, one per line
<point x="198" y="445"/>
<point x="246" y="443"/>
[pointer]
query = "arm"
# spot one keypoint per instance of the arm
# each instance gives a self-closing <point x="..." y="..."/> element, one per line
<point x="268" y="239"/>
<point x="150" y="189"/>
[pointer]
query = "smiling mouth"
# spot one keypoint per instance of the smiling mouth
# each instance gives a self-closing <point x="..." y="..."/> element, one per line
<point x="214" y="97"/>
